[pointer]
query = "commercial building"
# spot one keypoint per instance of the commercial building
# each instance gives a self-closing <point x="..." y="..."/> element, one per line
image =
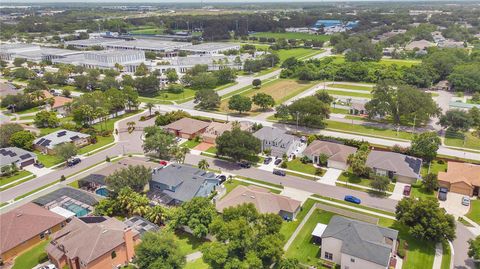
<point x="355" y="244"/>
<point x="214" y="62"/>
<point x="92" y="42"/>
<point x="47" y="143"/>
<point x="17" y="156"/>
<point x="169" y="48"/>
<point x="337" y="153"/>
<point x="93" y="243"/>
<point x="263" y="200"/>
<point x="32" y="52"/>
<point x="24" y="227"/>
<point x="210" y="48"/>
<point x="178" y="183"/>
<point x="404" y="168"/>
<point x="463" y="178"/>
<point x="103" y="59"/>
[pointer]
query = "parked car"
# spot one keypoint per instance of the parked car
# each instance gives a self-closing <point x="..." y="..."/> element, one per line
<point x="163" y="163"/>
<point x="352" y="199"/>
<point x="442" y="194"/>
<point x="466" y="201"/>
<point x="279" y="172"/>
<point x="222" y="178"/>
<point x="48" y="266"/>
<point x="406" y="190"/>
<point x="73" y="161"/>
<point x="245" y="164"/>
<point x="278" y="161"/>
<point x="267" y="160"/>
<point x="38" y="165"/>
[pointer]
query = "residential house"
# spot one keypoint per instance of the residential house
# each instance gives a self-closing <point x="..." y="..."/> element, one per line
<point x="263" y="200"/>
<point x="216" y="129"/>
<point x="463" y="178"/>
<point x="59" y="103"/>
<point x="441" y="86"/>
<point x="47" y="143"/>
<point x="93" y="243"/>
<point x="17" y="156"/>
<point x="187" y="128"/>
<point x="419" y="45"/>
<point x="357" y="108"/>
<point x="358" y="245"/>
<point x="337" y="153"/>
<point x="178" y="183"/>
<point x="404" y="168"/>
<point x="279" y="142"/>
<point x="24" y="227"/>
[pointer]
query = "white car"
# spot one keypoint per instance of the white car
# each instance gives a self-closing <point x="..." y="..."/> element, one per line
<point x="48" y="266"/>
<point x="465" y="200"/>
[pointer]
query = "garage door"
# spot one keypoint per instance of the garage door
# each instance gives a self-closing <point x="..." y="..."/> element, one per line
<point x="28" y="162"/>
<point x="337" y="165"/>
<point x="461" y="188"/>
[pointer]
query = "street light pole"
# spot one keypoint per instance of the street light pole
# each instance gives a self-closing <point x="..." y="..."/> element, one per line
<point x="297" y="121"/>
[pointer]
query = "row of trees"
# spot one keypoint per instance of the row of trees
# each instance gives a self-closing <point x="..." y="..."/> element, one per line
<point x="310" y="111"/>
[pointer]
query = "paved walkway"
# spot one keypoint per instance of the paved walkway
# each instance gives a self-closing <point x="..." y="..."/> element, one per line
<point x="194" y="256"/>
<point x="296" y="194"/>
<point x="331" y="176"/>
<point x="437" y="261"/>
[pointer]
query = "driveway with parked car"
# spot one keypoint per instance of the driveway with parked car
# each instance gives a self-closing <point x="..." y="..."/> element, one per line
<point x="455" y="204"/>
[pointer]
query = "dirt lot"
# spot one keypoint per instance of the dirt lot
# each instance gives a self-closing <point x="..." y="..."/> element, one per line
<point x="281" y="90"/>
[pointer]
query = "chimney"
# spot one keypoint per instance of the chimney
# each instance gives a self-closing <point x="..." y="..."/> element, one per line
<point x="129" y="244"/>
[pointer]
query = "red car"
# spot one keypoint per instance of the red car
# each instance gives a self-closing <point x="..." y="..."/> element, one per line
<point x="163" y="163"/>
<point x="406" y="190"/>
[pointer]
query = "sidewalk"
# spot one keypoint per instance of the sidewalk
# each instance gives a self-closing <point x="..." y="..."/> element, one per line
<point x="437" y="261"/>
<point x="299" y="228"/>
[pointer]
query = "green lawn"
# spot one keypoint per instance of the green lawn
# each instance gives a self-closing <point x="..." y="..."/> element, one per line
<point x="474" y="213"/>
<point x="288" y="227"/>
<point x="350" y="87"/>
<point x="303" y="249"/>
<point x="435" y="167"/>
<point x="419" y="191"/>
<point x="232" y="184"/>
<point x="30" y="117"/>
<point x="447" y="256"/>
<point x="48" y="160"/>
<point x="191" y="143"/>
<point x="353" y="94"/>
<point x="197" y="264"/>
<point x="30" y="110"/>
<point x="351" y="178"/>
<point x="367" y="130"/>
<point x="465" y="140"/>
<point x="384" y="61"/>
<point x="299" y="53"/>
<point x="297" y="165"/>
<point x="292" y="36"/>
<point x="18" y="175"/>
<point x="101" y="141"/>
<point x="420" y="254"/>
<point x="148" y="31"/>
<point x="212" y="150"/>
<point x="188" y="243"/>
<point x="31" y="257"/>
<point x="339" y="110"/>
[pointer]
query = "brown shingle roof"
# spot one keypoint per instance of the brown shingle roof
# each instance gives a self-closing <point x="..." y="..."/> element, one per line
<point x="261" y="198"/>
<point x="59" y="100"/>
<point x="88" y="241"/>
<point x="23" y="223"/>
<point x="187" y="125"/>
<point x="334" y="151"/>
<point x="461" y="172"/>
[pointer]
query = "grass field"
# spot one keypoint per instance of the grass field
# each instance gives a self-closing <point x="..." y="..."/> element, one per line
<point x="148" y="31"/>
<point x="297" y="165"/>
<point x="197" y="264"/>
<point x="384" y="61"/>
<point x="48" y="160"/>
<point x="474" y="213"/>
<point x="299" y="53"/>
<point x="18" y="175"/>
<point x="353" y="94"/>
<point x="31" y="257"/>
<point x="366" y="130"/>
<point x="281" y="90"/>
<point x="292" y="36"/>
<point x="188" y="243"/>
<point x="465" y="140"/>
<point x="351" y="178"/>
<point x="30" y="110"/>
<point x="350" y="87"/>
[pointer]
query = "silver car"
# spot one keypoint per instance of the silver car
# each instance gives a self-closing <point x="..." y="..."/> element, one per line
<point x="465" y="200"/>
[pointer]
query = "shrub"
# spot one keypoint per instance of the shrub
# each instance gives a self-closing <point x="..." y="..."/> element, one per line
<point x="441" y="162"/>
<point x="43" y="257"/>
<point x="284" y="165"/>
<point x="305" y="160"/>
<point x="402" y="249"/>
<point x="63" y="178"/>
<point x="107" y="159"/>
<point x="142" y="118"/>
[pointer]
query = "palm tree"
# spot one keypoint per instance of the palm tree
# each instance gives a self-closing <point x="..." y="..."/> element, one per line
<point x="130" y="124"/>
<point x="119" y="67"/>
<point x="37" y="95"/>
<point x="181" y="153"/>
<point x="150" y="105"/>
<point x="156" y="215"/>
<point x="203" y="164"/>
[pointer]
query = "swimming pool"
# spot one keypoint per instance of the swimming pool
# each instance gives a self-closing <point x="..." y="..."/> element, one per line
<point x="102" y="191"/>
<point x="78" y="210"/>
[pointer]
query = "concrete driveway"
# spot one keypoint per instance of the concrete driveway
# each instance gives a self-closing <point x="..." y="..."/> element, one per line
<point x="398" y="191"/>
<point x="453" y="204"/>
<point x="331" y="176"/>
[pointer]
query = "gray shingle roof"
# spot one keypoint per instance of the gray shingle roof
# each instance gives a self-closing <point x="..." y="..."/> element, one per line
<point x="362" y="240"/>
<point x="58" y="137"/>
<point x="13" y="155"/>
<point x="401" y="164"/>
<point x="280" y="141"/>
<point x="187" y="180"/>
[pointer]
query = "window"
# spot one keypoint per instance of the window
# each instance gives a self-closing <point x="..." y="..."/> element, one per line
<point x="42" y="235"/>
<point x="328" y="256"/>
<point x="113" y="254"/>
<point x="352" y="259"/>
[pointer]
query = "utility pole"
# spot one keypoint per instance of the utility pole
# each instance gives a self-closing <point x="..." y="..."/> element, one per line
<point x="297" y="121"/>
